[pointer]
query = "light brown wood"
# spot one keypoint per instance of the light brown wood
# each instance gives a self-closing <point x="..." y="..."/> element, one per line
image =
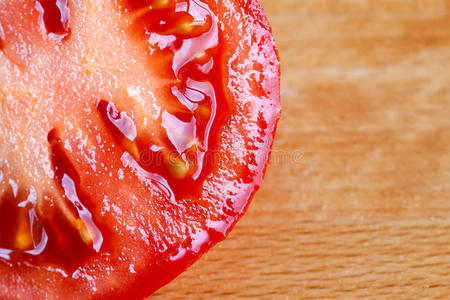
<point x="356" y="202"/>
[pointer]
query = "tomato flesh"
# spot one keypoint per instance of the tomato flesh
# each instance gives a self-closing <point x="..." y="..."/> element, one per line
<point x="131" y="149"/>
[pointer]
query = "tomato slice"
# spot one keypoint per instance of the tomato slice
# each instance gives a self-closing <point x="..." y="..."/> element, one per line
<point x="134" y="135"/>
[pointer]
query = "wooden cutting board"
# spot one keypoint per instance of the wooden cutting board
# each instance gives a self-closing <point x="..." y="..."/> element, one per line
<point x="356" y="201"/>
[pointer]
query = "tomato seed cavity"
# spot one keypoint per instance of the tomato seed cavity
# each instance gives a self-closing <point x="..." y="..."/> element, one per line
<point x="57" y="226"/>
<point x="72" y="202"/>
<point x="54" y="17"/>
<point x="21" y="231"/>
<point x="187" y="32"/>
<point x="2" y="38"/>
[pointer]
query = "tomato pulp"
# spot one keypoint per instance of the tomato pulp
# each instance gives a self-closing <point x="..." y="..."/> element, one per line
<point x="134" y="135"/>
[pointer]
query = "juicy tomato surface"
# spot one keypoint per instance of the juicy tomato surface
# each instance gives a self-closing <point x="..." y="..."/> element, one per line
<point x="134" y="134"/>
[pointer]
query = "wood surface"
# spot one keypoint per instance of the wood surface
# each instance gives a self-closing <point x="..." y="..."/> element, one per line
<point x="356" y="201"/>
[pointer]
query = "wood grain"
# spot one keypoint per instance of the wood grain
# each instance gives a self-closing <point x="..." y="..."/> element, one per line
<point x="356" y="202"/>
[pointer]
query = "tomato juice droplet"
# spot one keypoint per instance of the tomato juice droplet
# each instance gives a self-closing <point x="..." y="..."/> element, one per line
<point x="54" y="17"/>
<point x="119" y="122"/>
<point x="121" y="127"/>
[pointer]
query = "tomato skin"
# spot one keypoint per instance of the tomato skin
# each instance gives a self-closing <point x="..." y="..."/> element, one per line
<point x="251" y="83"/>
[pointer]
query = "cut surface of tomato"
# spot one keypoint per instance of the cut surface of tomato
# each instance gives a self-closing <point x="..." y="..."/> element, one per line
<point x="134" y="134"/>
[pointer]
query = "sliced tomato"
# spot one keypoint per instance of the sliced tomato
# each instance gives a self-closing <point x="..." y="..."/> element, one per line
<point x="134" y="134"/>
